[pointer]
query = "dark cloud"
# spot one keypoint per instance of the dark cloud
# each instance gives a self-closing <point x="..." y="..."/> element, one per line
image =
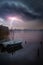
<point x="27" y="8"/>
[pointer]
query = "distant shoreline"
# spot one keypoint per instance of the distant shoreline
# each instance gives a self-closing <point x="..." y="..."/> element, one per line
<point x="26" y="30"/>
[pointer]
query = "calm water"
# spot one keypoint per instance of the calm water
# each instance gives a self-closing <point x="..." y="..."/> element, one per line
<point x="26" y="55"/>
<point x="31" y="36"/>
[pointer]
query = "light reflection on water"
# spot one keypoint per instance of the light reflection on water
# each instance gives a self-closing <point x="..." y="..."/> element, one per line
<point x="29" y="53"/>
<point x="30" y="36"/>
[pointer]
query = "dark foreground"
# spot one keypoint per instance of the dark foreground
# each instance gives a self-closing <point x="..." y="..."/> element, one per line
<point x="31" y="54"/>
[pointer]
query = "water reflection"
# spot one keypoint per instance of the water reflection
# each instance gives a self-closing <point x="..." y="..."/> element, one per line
<point x="28" y="54"/>
<point x="31" y="36"/>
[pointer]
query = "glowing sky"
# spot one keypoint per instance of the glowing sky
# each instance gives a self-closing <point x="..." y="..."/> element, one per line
<point x="19" y="23"/>
<point x="21" y="14"/>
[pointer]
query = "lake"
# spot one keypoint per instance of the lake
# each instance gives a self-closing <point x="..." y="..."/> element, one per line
<point x="29" y="54"/>
<point x="30" y="36"/>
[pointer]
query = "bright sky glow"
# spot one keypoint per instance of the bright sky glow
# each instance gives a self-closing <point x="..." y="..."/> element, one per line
<point x="14" y="19"/>
<point x="17" y="22"/>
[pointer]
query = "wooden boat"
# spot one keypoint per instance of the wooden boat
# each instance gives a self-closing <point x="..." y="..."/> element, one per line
<point x="11" y="46"/>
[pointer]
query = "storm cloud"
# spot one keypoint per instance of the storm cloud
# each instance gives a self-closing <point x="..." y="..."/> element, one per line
<point x="27" y="9"/>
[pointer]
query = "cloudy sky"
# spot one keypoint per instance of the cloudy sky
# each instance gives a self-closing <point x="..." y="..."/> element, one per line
<point x="21" y="14"/>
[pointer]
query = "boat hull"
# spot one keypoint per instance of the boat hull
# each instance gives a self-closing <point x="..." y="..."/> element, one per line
<point x="10" y="48"/>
